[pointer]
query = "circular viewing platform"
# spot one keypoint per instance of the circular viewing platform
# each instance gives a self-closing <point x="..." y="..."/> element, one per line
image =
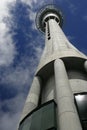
<point x="46" y="13"/>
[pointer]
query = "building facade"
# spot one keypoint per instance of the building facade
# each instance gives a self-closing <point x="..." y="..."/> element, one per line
<point x="57" y="99"/>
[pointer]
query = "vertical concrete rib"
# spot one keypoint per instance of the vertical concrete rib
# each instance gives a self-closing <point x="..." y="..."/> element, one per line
<point x="33" y="97"/>
<point x="67" y="114"/>
<point x="85" y="65"/>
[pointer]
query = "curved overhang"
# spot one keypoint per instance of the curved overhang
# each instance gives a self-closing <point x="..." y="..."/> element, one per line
<point x="71" y="62"/>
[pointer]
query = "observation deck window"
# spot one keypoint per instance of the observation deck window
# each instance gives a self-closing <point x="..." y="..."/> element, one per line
<point x="43" y="118"/>
<point x="81" y="104"/>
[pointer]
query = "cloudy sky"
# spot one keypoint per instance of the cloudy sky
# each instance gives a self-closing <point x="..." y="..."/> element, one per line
<point x="21" y="46"/>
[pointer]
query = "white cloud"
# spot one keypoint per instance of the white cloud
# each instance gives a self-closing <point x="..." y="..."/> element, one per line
<point x="7" y="48"/>
<point x="9" y="120"/>
<point x="32" y="16"/>
<point x="70" y="38"/>
<point x="73" y="8"/>
<point x="35" y="4"/>
<point x="17" y="78"/>
<point x="30" y="2"/>
<point x="20" y="78"/>
<point x="85" y="18"/>
<point x="4" y="8"/>
<point x="32" y="13"/>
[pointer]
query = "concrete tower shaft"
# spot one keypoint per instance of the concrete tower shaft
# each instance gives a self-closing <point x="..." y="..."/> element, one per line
<point x="50" y="20"/>
<point x="61" y="74"/>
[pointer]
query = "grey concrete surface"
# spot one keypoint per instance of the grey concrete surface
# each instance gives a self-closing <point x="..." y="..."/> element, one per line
<point x="62" y="83"/>
<point x="58" y="46"/>
<point x="67" y="114"/>
<point x="48" y="90"/>
<point x="85" y="65"/>
<point x="33" y="97"/>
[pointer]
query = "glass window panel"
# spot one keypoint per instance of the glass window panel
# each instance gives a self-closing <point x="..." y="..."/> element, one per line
<point x="36" y="122"/>
<point x="48" y="119"/>
<point x="42" y="119"/>
<point x="85" y="125"/>
<point x="26" y="124"/>
<point x="81" y="102"/>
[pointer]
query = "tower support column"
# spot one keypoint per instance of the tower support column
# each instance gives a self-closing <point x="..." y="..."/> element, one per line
<point x="85" y="65"/>
<point x="66" y="114"/>
<point x="33" y="97"/>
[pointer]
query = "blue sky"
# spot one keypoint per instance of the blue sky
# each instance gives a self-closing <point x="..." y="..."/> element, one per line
<point x="21" y="46"/>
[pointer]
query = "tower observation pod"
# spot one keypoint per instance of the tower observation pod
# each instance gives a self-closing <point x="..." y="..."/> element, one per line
<point x="57" y="99"/>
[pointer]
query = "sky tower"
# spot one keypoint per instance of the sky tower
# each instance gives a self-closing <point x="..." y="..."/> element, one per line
<point x="57" y="99"/>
